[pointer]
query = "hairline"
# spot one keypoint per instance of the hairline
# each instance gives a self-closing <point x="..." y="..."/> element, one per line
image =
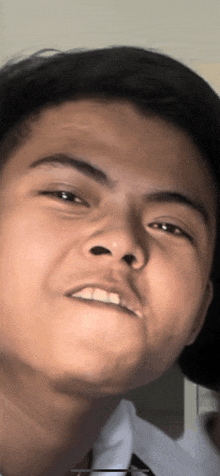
<point x="22" y="129"/>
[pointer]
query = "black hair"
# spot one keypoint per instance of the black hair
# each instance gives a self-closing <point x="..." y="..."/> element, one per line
<point x="156" y="84"/>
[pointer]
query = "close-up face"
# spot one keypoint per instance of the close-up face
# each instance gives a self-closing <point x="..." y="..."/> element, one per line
<point x="107" y="235"/>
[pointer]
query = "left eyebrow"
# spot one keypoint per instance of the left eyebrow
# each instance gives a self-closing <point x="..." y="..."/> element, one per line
<point x="175" y="197"/>
<point x="77" y="164"/>
<point x="99" y="176"/>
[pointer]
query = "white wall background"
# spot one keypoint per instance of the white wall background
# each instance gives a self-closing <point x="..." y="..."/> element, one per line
<point x="189" y="30"/>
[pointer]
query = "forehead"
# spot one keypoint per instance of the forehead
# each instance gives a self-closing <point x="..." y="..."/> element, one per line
<point x="114" y="135"/>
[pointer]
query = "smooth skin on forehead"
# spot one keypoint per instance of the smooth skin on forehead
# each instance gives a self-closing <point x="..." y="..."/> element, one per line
<point x="108" y="125"/>
<point x="102" y="176"/>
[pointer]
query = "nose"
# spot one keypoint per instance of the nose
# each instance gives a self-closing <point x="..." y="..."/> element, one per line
<point x="118" y="244"/>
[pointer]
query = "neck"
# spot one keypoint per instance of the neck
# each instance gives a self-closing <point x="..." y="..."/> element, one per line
<point x="51" y="433"/>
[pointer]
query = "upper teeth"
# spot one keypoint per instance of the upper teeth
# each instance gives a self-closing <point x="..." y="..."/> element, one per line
<point x="101" y="295"/>
<point x="98" y="295"/>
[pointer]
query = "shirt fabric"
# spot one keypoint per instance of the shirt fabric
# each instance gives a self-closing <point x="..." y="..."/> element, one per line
<point x="125" y="435"/>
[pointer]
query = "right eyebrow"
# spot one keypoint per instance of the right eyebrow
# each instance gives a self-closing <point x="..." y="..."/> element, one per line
<point x="77" y="164"/>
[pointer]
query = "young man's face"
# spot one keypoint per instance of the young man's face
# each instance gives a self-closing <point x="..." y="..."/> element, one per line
<point x="117" y="229"/>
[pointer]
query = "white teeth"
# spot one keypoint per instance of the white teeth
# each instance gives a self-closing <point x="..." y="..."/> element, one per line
<point x="97" y="294"/>
<point x="85" y="293"/>
<point x="114" y="298"/>
<point x="100" y="295"/>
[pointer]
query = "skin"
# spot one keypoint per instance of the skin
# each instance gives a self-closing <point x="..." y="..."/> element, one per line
<point x="65" y="363"/>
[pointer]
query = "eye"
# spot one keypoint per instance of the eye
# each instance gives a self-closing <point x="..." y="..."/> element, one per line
<point x="172" y="229"/>
<point x="65" y="196"/>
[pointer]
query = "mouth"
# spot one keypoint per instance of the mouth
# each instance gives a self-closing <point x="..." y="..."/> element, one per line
<point x="98" y="296"/>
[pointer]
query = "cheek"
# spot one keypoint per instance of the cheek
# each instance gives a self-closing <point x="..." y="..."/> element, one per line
<point x="30" y="250"/>
<point x="175" y="288"/>
<point x="29" y="247"/>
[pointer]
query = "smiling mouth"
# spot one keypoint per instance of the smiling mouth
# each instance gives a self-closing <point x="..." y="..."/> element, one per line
<point x="101" y="297"/>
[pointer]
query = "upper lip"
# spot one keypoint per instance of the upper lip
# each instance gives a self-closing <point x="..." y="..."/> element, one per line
<point x="126" y="294"/>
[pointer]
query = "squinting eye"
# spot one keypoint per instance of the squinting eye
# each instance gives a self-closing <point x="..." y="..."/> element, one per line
<point x="64" y="196"/>
<point x="169" y="228"/>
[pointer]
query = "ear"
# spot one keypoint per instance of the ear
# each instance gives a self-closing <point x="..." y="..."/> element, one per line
<point x="197" y="326"/>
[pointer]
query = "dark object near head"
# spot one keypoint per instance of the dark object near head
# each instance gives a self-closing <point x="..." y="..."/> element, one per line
<point x="200" y="362"/>
<point x="156" y="84"/>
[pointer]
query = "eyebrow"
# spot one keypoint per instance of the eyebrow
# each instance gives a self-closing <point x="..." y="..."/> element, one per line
<point x="77" y="164"/>
<point x="175" y="197"/>
<point x="100" y="177"/>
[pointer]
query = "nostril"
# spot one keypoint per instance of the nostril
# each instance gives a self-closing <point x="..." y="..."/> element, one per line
<point x="99" y="250"/>
<point x="130" y="259"/>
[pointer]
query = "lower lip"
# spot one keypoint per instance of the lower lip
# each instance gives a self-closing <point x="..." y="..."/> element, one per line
<point x="104" y="305"/>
